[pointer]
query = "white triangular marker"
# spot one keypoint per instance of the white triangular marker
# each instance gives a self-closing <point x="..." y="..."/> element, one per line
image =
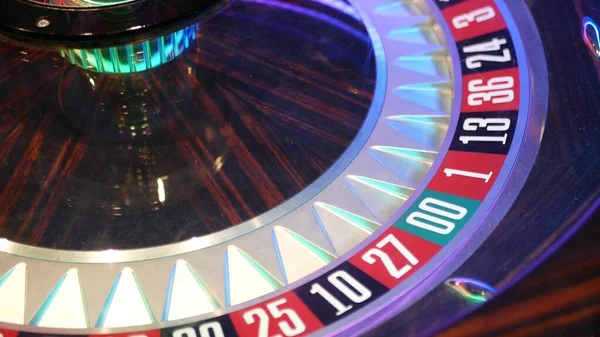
<point x="298" y="256"/>
<point x="187" y="296"/>
<point x="246" y="279"/>
<point x="429" y="131"/>
<point x="409" y="165"/>
<point x="407" y="77"/>
<point x="387" y="24"/>
<point x="126" y="305"/>
<point x="12" y="295"/>
<point x="436" y="97"/>
<point x="381" y="198"/>
<point x="349" y="229"/>
<point x="65" y="306"/>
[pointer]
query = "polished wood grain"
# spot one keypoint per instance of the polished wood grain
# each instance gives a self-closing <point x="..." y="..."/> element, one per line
<point x="561" y="298"/>
<point x="248" y="116"/>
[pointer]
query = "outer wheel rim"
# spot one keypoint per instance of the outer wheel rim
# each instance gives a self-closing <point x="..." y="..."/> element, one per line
<point x="438" y="163"/>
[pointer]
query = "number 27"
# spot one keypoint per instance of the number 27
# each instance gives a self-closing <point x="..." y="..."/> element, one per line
<point x="371" y="254"/>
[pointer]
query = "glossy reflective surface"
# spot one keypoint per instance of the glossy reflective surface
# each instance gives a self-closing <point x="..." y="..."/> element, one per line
<point x="81" y="3"/>
<point x="260" y="104"/>
<point x="134" y="57"/>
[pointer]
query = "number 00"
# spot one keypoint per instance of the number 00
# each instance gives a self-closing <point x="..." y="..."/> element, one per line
<point x="436" y="216"/>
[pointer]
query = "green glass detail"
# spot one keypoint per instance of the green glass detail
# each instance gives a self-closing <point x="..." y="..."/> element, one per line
<point x="6" y="276"/>
<point x="37" y="318"/>
<point x="428" y="130"/>
<point x="398" y="8"/>
<point x="104" y="3"/>
<point x="111" y="295"/>
<point x="426" y="157"/>
<point x="439" y="218"/>
<point x="411" y="35"/>
<point x="108" y="302"/>
<point x="434" y="64"/>
<point x="392" y="189"/>
<point x="433" y="121"/>
<point x="83" y="3"/>
<point x="44" y="307"/>
<point x="133" y="58"/>
<point x="471" y="297"/>
<point x="199" y="281"/>
<point x="204" y="287"/>
<point x="352" y="218"/>
<point x="437" y="96"/>
<point x="144" y="298"/>
<point x="262" y="271"/>
<point x="320" y="253"/>
<point x="472" y="290"/>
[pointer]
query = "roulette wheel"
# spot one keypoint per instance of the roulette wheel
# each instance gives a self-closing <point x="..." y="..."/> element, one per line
<point x="280" y="168"/>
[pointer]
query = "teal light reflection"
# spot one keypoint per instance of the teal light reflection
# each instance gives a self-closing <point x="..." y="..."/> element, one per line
<point x="135" y="57"/>
<point x="82" y="3"/>
<point x="104" y="3"/>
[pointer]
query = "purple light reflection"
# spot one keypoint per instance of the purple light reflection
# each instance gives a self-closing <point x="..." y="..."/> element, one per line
<point x="316" y="15"/>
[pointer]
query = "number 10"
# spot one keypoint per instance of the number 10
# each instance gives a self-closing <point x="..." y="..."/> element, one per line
<point x="350" y="287"/>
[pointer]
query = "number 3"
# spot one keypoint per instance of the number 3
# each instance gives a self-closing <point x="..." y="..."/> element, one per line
<point x="478" y="15"/>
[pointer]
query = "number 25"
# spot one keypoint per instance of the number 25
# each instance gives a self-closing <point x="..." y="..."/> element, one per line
<point x="289" y="330"/>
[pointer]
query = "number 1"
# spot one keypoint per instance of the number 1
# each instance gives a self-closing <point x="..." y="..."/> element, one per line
<point x="486" y="177"/>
